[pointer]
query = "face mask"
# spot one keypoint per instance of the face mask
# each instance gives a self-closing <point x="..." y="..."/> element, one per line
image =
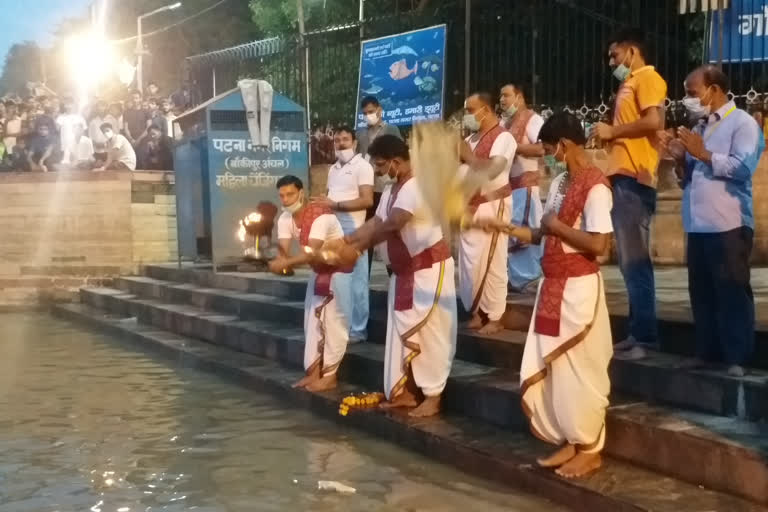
<point x="108" y="135"/>
<point x="372" y="119"/>
<point x="296" y="206"/>
<point x="511" y="111"/>
<point x="344" y="155"/>
<point x="554" y="164"/>
<point x="622" y="71"/>
<point x="471" y="123"/>
<point x="695" y="109"/>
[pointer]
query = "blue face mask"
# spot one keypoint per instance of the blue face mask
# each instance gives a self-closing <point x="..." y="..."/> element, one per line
<point x="622" y="71"/>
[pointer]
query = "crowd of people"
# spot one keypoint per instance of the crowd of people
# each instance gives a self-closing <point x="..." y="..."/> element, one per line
<point x="51" y="133"/>
<point x="508" y="240"/>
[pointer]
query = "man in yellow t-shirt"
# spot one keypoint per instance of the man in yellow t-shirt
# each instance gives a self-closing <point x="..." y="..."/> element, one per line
<point x="633" y="164"/>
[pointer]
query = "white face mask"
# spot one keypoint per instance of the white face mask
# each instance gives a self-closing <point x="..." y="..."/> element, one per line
<point x="344" y="155"/>
<point x="372" y="119"/>
<point x="296" y="206"/>
<point x="695" y="109"/>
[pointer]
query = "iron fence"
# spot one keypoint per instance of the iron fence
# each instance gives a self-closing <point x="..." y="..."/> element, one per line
<point x="557" y="49"/>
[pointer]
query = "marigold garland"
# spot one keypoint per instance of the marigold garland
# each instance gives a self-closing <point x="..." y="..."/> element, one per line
<point x="361" y="401"/>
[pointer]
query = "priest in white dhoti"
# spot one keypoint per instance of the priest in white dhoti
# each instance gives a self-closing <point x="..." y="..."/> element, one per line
<point x="328" y="303"/>
<point x="564" y="374"/>
<point x="421" y="315"/>
<point x="523" y="263"/>
<point x="483" y="256"/>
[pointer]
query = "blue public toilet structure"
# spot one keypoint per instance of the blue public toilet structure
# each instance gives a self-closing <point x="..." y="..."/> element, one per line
<point x="221" y="176"/>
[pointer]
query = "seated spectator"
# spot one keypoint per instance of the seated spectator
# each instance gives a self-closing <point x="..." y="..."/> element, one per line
<point x="4" y="153"/>
<point x="12" y="124"/>
<point x="115" y="116"/>
<point x="120" y="153"/>
<point x="135" y="119"/>
<point x="18" y="160"/>
<point x="98" y="118"/>
<point x="164" y="118"/>
<point x="154" y="152"/>
<point x="71" y="126"/>
<point x="47" y="118"/>
<point x="43" y="150"/>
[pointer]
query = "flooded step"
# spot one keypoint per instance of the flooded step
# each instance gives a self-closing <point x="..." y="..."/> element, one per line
<point x="721" y="453"/>
<point x="675" y="327"/>
<point x="475" y="447"/>
<point x="655" y="380"/>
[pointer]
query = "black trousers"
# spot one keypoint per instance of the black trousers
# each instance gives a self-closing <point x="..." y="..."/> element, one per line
<point x="721" y="296"/>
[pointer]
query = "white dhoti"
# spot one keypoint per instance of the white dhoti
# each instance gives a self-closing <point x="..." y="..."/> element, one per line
<point x="424" y="336"/>
<point x="326" y="330"/>
<point x="359" y="290"/>
<point x="483" y="264"/>
<point x="524" y="261"/>
<point x="564" y="379"/>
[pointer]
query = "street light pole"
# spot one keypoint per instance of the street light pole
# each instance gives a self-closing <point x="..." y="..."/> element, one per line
<point x="140" y="44"/>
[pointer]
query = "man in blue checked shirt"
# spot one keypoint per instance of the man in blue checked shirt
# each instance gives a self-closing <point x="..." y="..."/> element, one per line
<point x="717" y="159"/>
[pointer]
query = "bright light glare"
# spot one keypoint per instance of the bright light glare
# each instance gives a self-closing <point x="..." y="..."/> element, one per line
<point x="90" y="60"/>
<point x="175" y="6"/>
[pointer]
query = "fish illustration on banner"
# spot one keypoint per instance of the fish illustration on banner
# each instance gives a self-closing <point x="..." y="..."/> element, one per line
<point x="405" y="72"/>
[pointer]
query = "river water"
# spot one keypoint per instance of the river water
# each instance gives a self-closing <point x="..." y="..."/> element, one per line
<point x="90" y="424"/>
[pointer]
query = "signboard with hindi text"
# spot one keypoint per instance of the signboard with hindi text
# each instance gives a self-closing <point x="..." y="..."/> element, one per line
<point x="222" y="176"/>
<point x="242" y="175"/>
<point x="406" y="73"/>
<point x="745" y="32"/>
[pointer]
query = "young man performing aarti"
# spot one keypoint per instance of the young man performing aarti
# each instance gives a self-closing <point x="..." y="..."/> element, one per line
<point x="328" y="303"/>
<point x="421" y="317"/>
<point x="564" y="374"/>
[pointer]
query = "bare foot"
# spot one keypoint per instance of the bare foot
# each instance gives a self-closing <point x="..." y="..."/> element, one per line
<point x="323" y="384"/>
<point x="305" y="381"/>
<point x="429" y="407"/>
<point x="491" y="327"/>
<point x="404" y="399"/>
<point x="581" y="465"/>
<point x="475" y="323"/>
<point x="560" y="457"/>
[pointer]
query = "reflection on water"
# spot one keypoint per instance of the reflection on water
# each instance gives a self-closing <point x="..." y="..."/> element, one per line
<point x="88" y="424"/>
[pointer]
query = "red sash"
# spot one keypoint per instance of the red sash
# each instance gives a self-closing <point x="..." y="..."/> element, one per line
<point x="323" y="272"/>
<point x="483" y="150"/>
<point x="557" y="265"/>
<point x="403" y="264"/>
<point x="518" y="123"/>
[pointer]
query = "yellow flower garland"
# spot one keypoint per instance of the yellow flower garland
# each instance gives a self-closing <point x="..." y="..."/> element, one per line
<point x="361" y="401"/>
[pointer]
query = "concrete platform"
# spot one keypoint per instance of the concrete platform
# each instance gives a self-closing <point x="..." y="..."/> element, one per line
<point x="476" y="447"/>
<point x="655" y="379"/>
<point x="675" y="323"/>
<point x="726" y="454"/>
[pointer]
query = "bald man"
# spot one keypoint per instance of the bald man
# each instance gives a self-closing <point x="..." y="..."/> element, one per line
<point x="483" y="256"/>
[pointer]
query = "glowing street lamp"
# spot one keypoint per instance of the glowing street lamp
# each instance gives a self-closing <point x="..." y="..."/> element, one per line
<point x="140" y="44"/>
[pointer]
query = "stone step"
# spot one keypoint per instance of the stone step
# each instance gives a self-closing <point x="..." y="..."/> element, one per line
<point x="675" y="326"/>
<point x="725" y="454"/>
<point x="655" y="379"/>
<point x="474" y="447"/>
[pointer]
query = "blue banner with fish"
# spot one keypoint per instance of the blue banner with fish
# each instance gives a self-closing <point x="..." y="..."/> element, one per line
<point x="405" y="72"/>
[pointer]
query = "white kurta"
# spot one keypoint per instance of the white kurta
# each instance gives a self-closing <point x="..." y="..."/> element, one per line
<point x="326" y="328"/>
<point x="524" y="264"/>
<point x="483" y="256"/>
<point x="429" y="327"/>
<point x="565" y="379"/>
<point x="344" y="182"/>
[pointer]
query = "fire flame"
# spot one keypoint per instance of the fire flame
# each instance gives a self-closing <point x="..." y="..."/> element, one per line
<point x="251" y="218"/>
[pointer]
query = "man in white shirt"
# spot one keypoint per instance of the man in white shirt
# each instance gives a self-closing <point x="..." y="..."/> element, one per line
<point x="71" y="125"/>
<point x="524" y="124"/>
<point x="483" y="256"/>
<point x="326" y="329"/>
<point x="120" y="153"/>
<point x="350" y="194"/>
<point x="94" y="130"/>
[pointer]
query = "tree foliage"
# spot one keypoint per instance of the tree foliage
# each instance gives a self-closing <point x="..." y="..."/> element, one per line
<point x="23" y="64"/>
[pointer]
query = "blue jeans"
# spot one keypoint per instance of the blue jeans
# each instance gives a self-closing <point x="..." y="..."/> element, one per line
<point x="633" y="206"/>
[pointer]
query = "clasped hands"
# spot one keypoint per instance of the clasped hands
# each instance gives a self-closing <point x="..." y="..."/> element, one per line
<point x="676" y="144"/>
<point x="333" y="252"/>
